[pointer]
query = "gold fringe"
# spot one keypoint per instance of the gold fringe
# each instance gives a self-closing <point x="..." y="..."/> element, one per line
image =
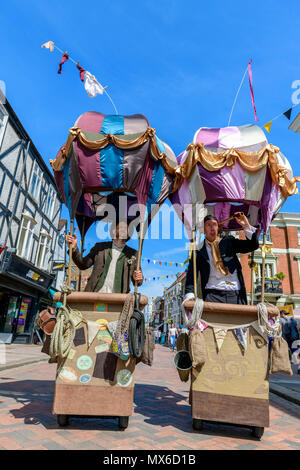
<point x="211" y="161"/>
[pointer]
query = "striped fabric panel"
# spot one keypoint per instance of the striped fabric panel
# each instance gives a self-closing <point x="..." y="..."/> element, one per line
<point x="111" y="157"/>
<point x="66" y="178"/>
<point x="157" y="179"/>
<point x="248" y="137"/>
<point x="89" y="161"/>
<point x="133" y="164"/>
<point x="90" y="121"/>
<point x="135" y="124"/>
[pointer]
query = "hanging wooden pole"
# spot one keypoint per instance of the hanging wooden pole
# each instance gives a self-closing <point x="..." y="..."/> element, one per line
<point x="81" y="251"/>
<point x="252" y="277"/>
<point x="139" y="253"/>
<point x="194" y="262"/>
<point x="70" y="255"/>
<point x="263" y="254"/>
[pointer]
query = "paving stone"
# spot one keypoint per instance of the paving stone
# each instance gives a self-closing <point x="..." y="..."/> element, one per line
<point x="161" y="418"/>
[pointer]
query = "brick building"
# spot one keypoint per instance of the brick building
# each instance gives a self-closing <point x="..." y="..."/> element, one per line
<point x="283" y="240"/>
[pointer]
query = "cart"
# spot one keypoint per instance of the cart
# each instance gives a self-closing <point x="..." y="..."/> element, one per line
<point x="92" y="381"/>
<point x="232" y="386"/>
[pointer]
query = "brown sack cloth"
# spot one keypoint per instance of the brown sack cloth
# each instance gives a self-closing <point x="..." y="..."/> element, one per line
<point x="198" y="350"/>
<point x="46" y="348"/>
<point x="149" y="346"/>
<point x="279" y="356"/>
<point x="46" y="320"/>
<point x="182" y="344"/>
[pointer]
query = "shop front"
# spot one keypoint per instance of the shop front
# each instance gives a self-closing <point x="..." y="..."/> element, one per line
<point x="22" y="286"/>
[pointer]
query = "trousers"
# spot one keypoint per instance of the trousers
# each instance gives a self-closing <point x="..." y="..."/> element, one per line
<point x="223" y="296"/>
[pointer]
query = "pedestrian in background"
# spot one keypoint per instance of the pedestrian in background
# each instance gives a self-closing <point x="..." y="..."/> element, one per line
<point x="289" y="328"/>
<point x="173" y="333"/>
<point x="158" y="335"/>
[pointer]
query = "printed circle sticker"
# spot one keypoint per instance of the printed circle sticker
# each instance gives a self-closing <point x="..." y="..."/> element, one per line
<point x="84" y="362"/>
<point x="85" y="378"/>
<point x="124" y="377"/>
<point x="67" y="374"/>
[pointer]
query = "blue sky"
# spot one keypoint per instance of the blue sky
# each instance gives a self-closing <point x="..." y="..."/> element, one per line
<point x="179" y="63"/>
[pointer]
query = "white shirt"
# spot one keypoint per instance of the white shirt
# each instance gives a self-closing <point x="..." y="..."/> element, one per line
<point x="217" y="280"/>
<point x="172" y="331"/>
<point x="109" y="282"/>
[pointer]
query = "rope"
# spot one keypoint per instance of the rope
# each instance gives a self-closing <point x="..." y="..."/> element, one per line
<point x="127" y="311"/>
<point x="196" y="313"/>
<point x="64" y="331"/>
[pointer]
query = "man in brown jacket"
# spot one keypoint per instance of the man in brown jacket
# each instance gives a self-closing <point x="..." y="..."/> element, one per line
<point x="115" y="263"/>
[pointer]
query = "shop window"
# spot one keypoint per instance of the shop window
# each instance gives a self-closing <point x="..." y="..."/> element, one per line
<point x="26" y="236"/>
<point x="36" y="181"/>
<point x="43" y="251"/>
<point x="50" y="202"/>
<point x="12" y="312"/>
<point x="24" y="315"/>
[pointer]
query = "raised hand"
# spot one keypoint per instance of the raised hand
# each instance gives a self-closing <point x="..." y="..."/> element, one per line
<point x="242" y="220"/>
<point x="72" y="241"/>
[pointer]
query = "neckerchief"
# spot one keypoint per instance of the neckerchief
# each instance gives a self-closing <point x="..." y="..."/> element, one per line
<point x="216" y="256"/>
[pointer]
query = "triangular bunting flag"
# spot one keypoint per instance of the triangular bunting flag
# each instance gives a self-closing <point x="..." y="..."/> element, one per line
<point x="93" y="329"/>
<point x="288" y="113"/>
<point x="154" y="261"/>
<point x="220" y="335"/>
<point x="268" y="126"/>
<point x="241" y="336"/>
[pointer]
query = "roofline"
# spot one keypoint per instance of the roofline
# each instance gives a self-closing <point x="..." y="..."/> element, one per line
<point x="286" y="218"/>
<point x="21" y="130"/>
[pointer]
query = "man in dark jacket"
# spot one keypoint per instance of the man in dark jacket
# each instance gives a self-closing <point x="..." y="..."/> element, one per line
<point x="218" y="265"/>
<point x="115" y="263"/>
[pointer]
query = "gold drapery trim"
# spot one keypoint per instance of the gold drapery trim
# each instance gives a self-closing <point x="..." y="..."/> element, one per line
<point x="250" y="161"/>
<point x="109" y="139"/>
<point x="211" y="161"/>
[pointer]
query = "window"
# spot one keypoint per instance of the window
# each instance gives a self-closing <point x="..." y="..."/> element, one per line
<point x="270" y="270"/>
<point x="50" y="202"/>
<point x="43" y="251"/>
<point x="36" y="181"/>
<point x="26" y="237"/>
<point x="298" y="236"/>
<point x="268" y="237"/>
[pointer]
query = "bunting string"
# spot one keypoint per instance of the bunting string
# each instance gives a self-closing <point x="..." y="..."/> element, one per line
<point x="286" y="113"/>
<point x="92" y="86"/>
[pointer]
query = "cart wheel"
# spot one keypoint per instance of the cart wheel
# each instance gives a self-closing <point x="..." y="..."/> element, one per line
<point x="63" y="420"/>
<point x="123" y="422"/>
<point x="258" y="432"/>
<point x="197" y="424"/>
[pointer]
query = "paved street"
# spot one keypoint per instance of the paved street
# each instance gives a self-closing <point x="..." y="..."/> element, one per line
<point x="161" y="418"/>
